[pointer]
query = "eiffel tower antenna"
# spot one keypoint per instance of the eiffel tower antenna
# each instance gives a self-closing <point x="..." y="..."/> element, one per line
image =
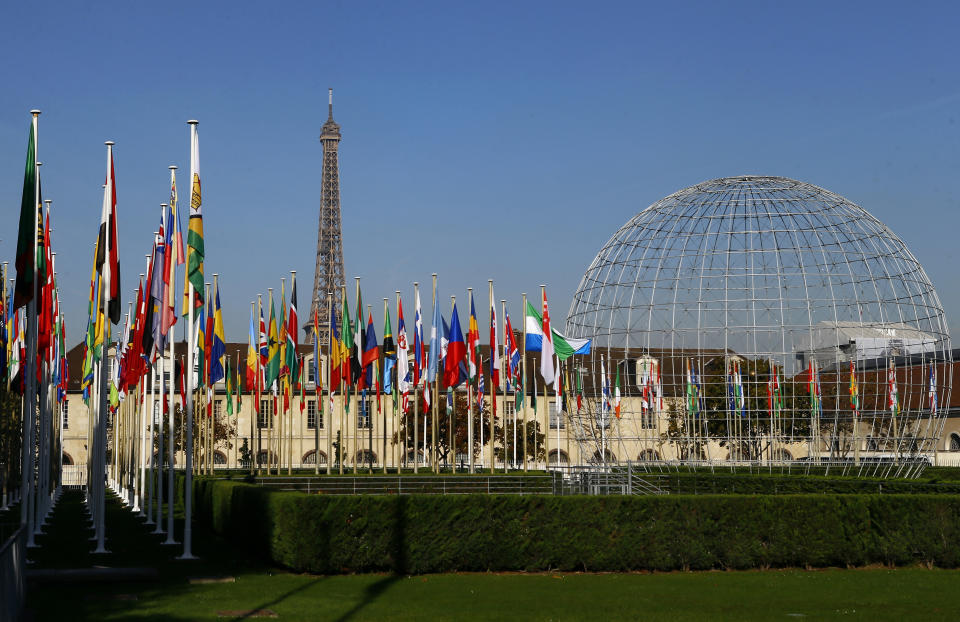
<point x="328" y="276"/>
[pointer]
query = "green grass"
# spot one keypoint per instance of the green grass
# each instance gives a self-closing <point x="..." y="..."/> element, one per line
<point x="850" y="594"/>
<point x="874" y="594"/>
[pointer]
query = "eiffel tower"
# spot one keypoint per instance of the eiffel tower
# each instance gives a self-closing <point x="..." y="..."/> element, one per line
<point x="328" y="275"/>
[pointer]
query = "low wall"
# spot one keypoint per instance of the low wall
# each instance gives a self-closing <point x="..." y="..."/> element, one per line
<point x="420" y="534"/>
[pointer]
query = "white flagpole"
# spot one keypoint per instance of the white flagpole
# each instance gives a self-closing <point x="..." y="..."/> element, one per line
<point x="173" y="366"/>
<point x="470" y="390"/>
<point x="191" y="354"/>
<point x="30" y="405"/>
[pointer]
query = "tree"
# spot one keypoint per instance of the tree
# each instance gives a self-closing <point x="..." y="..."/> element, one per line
<point x="534" y="444"/>
<point x="460" y="418"/>
<point x="11" y="430"/>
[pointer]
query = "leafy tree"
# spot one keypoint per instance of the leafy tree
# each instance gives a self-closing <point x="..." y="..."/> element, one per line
<point x="460" y="418"/>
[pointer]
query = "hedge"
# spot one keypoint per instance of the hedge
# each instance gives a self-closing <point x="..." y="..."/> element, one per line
<point x="722" y="482"/>
<point x="421" y="534"/>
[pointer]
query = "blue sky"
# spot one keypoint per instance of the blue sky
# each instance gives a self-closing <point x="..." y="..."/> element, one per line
<point x="481" y="140"/>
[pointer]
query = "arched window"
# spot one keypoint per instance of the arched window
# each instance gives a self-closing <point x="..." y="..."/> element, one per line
<point x="264" y="457"/>
<point x="954" y="441"/>
<point x="416" y="453"/>
<point x="311" y="457"/>
<point x="552" y="458"/>
<point x="365" y="456"/>
<point x="67" y="459"/>
<point x="648" y="455"/>
<point x="610" y="457"/>
<point x="219" y="458"/>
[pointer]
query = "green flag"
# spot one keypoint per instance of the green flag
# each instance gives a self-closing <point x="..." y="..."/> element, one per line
<point x="29" y="205"/>
<point x="229" y="381"/>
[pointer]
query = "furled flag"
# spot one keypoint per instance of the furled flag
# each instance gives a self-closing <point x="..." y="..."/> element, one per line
<point x="335" y="355"/>
<point x="546" y="347"/>
<point x="815" y="406"/>
<point x="389" y="354"/>
<point x="693" y="401"/>
<point x="371" y="354"/>
<point x="436" y="334"/>
<point x="854" y="391"/>
<point x="183" y="384"/>
<point x="932" y="390"/>
<point x="251" y="366"/>
<point x="218" y="346"/>
<point x="494" y="347"/>
<point x="513" y="353"/>
<point x="579" y="376"/>
<point x="159" y="262"/>
<point x="456" y="352"/>
<point x="292" y="328"/>
<point x="403" y="357"/>
<point x="564" y="347"/>
<point x="317" y="375"/>
<point x="230" y="382"/>
<point x="26" y="238"/>
<point x="272" y="371"/>
<point x="173" y="258"/>
<point x="195" y="252"/>
<point x="616" y="394"/>
<point x="346" y="334"/>
<point x="473" y="340"/>
<point x="605" y="379"/>
<point x="108" y="263"/>
<point x="418" y="345"/>
<point x="356" y="359"/>
<point x="893" y="401"/>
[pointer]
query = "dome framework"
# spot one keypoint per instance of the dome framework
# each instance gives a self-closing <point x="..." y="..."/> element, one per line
<point x="762" y="320"/>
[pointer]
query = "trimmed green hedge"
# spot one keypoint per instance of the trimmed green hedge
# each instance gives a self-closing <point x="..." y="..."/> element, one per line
<point x="421" y="534"/>
<point x="722" y="482"/>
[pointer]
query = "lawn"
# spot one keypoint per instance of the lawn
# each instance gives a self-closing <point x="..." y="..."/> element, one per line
<point x="875" y="594"/>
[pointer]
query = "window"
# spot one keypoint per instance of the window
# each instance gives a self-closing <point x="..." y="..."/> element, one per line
<point x="365" y="414"/>
<point x="311" y="457"/>
<point x="554" y="417"/>
<point x="66" y="414"/>
<point x="266" y="411"/>
<point x="312" y="415"/>
<point x="954" y="441"/>
<point x="217" y="408"/>
<point x="647" y="419"/>
<point x="365" y="456"/>
<point x="219" y="457"/>
<point x="509" y="407"/>
<point x="552" y="458"/>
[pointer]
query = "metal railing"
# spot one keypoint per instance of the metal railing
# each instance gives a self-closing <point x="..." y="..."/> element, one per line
<point x="417" y="485"/>
<point x="620" y="479"/>
<point x="12" y="563"/>
<point x="74" y="475"/>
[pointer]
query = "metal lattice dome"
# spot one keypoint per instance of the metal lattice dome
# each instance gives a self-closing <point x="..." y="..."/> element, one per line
<point x="790" y="281"/>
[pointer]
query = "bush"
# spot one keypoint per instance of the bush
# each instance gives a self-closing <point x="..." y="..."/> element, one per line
<point x="421" y="534"/>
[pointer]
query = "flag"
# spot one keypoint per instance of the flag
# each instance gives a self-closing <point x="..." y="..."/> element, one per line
<point x="346" y="332"/>
<point x="893" y="400"/>
<point x="317" y="375"/>
<point x="932" y="390"/>
<point x="494" y="346"/>
<point x="108" y="263"/>
<point x="418" y="345"/>
<point x="251" y="366"/>
<point x="403" y="355"/>
<point x="473" y="340"/>
<point x="303" y="384"/>
<point x="157" y="286"/>
<point x="513" y="354"/>
<point x="389" y="355"/>
<point x="546" y="359"/>
<point x="272" y="371"/>
<point x="229" y="381"/>
<point x="335" y="355"/>
<point x="26" y="238"/>
<point x="371" y="353"/>
<point x="436" y="335"/>
<point x="195" y="253"/>
<point x="456" y="352"/>
<point x="208" y="344"/>
<point x="564" y="347"/>
<point x="173" y="258"/>
<point x="292" y="359"/>
<point x="356" y="360"/>
<point x="616" y="392"/>
<point x="854" y="391"/>
<point x="579" y="378"/>
<point x="218" y="345"/>
<point x="183" y="384"/>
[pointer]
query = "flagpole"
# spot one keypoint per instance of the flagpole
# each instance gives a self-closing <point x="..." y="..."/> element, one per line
<point x="356" y="398"/>
<point x="399" y="460"/>
<point x="30" y="375"/>
<point x="173" y="366"/>
<point x="329" y="421"/>
<point x="343" y="397"/>
<point x="506" y="340"/>
<point x="270" y="417"/>
<point x="369" y="410"/>
<point x="383" y="411"/>
<point x="436" y="392"/>
<point x="493" y="390"/>
<point x="523" y="361"/>
<point x="290" y="383"/>
<point x="470" y="397"/>
<point x="416" y="386"/>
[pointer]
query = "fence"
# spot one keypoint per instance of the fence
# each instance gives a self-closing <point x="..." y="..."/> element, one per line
<point x="12" y="561"/>
<point x="412" y="484"/>
<point x="74" y="475"/>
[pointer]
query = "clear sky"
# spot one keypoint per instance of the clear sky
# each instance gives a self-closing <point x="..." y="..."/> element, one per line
<point x="480" y="140"/>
